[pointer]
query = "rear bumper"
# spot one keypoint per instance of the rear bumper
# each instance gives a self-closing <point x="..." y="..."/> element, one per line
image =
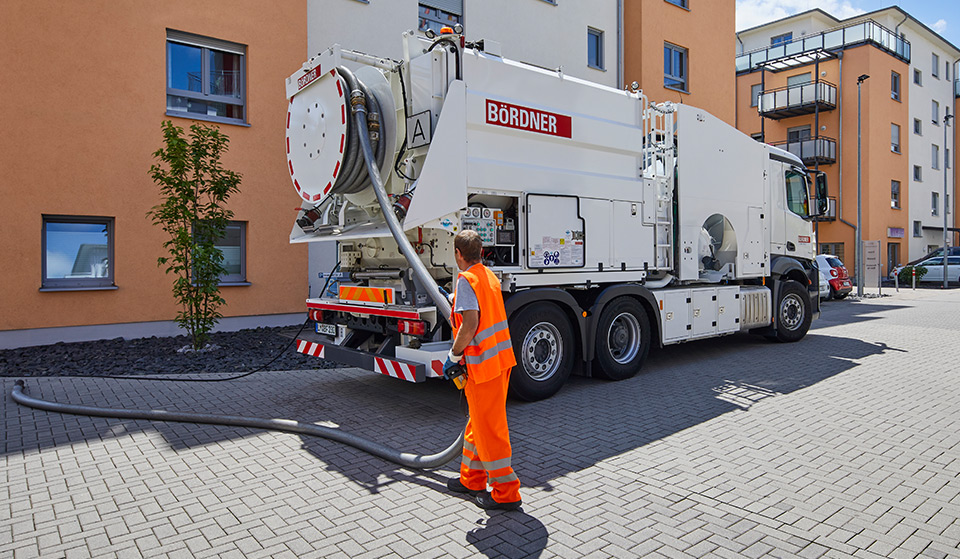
<point x="841" y="285"/>
<point x="323" y="347"/>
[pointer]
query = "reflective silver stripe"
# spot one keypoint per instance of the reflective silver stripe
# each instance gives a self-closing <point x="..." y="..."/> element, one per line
<point x="504" y="479"/>
<point x="469" y="447"/>
<point x="497" y="464"/>
<point x="481" y="336"/>
<point x="477" y="359"/>
<point x="472" y="464"/>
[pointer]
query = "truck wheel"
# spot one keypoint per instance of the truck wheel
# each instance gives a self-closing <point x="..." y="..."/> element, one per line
<point x="792" y="312"/>
<point x="623" y="340"/>
<point x="543" y="344"/>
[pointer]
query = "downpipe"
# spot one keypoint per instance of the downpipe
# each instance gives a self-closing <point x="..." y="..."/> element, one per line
<point x="406" y="459"/>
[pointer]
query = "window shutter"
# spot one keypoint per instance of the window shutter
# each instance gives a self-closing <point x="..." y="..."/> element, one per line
<point x="197" y="41"/>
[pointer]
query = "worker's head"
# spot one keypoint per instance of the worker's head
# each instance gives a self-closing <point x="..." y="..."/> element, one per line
<point x="467" y="248"/>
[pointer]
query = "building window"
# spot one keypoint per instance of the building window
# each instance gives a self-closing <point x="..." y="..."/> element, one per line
<point x="755" y="91"/>
<point x="935" y="156"/>
<point x="675" y="67"/>
<point x="205" y="78"/>
<point x="798" y="134"/>
<point x="918" y="127"/>
<point x="934" y="203"/>
<point x="233" y="245"/>
<point x="895" y="86"/>
<point x="437" y="14"/>
<point x="77" y="252"/>
<point x="895" y="194"/>
<point x="799" y="79"/>
<point x="917" y="77"/>
<point x="946" y="158"/>
<point x="758" y="136"/>
<point x="917" y="229"/>
<point x="835" y="249"/>
<point x="917" y="173"/>
<point x="595" y="48"/>
<point x="681" y="3"/>
<point x="935" y="66"/>
<point x="895" y="138"/>
<point x="935" y="112"/>
<point x="781" y="39"/>
<point x="947" y="68"/>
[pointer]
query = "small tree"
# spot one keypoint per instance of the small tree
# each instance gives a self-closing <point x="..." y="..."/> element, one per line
<point x="905" y="277"/>
<point x="195" y="188"/>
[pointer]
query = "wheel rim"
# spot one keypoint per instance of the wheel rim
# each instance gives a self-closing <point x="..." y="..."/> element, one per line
<point x="791" y="311"/>
<point x="542" y="351"/>
<point x="623" y="338"/>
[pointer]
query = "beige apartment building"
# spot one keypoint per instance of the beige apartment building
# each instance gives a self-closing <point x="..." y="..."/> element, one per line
<point x="801" y="82"/>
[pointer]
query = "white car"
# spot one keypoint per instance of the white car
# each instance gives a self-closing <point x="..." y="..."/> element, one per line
<point x="824" y="286"/>
<point x="934" y="268"/>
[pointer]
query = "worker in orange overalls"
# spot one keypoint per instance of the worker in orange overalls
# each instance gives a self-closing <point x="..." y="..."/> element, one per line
<point x="482" y="341"/>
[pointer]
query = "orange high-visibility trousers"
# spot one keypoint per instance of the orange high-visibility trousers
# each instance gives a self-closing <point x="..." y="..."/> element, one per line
<point x="486" y="444"/>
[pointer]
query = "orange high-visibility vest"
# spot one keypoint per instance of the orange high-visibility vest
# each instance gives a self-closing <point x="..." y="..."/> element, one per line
<point x="490" y="351"/>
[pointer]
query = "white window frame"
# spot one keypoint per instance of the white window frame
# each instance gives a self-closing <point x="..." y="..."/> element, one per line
<point x="593" y="33"/>
<point x="895" y="82"/>
<point x="78" y="284"/>
<point x="207" y="44"/>
<point x="895" y="138"/>
<point x="683" y="78"/>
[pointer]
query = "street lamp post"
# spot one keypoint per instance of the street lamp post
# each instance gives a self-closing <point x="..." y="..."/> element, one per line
<point x="859" y="249"/>
<point x="946" y="123"/>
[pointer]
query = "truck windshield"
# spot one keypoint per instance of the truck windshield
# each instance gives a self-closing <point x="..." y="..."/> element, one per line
<point x="798" y="200"/>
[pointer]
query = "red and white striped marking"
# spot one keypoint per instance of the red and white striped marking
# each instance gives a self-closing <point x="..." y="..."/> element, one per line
<point x="310" y="348"/>
<point x="394" y="369"/>
<point x="437" y="367"/>
<point x="314" y="168"/>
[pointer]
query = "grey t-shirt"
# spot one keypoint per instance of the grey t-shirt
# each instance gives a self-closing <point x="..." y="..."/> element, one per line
<point x="466" y="298"/>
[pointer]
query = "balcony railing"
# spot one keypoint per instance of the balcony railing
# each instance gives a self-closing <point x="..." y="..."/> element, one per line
<point x="864" y="32"/>
<point x="794" y="100"/>
<point x="812" y="151"/>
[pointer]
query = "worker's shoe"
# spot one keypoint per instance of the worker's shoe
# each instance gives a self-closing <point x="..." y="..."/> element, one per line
<point x="485" y="501"/>
<point x="454" y="484"/>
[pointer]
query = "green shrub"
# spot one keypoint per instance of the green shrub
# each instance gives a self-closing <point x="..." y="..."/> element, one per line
<point x="905" y="277"/>
<point x="195" y="188"/>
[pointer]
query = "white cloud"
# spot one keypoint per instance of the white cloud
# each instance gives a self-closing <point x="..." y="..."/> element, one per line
<point x="751" y="13"/>
<point x="940" y="26"/>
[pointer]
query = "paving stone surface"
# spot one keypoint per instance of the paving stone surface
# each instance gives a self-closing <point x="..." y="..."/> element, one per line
<point x="846" y="444"/>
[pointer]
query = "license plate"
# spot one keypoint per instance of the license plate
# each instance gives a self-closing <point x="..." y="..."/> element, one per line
<point x="326" y="329"/>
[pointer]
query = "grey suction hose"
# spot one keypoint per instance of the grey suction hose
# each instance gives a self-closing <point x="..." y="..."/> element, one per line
<point x="358" y="104"/>
<point x="418" y="461"/>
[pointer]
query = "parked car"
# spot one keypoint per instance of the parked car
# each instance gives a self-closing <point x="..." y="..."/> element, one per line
<point x="934" y="268"/>
<point x="951" y="251"/>
<point x="824" y="284"/>
<point x="840" y="284"/>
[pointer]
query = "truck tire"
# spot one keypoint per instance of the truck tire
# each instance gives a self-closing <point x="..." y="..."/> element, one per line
<point x="543" y="344"/>
<point x="623" y="339"/>
<point x="793" y="313"/>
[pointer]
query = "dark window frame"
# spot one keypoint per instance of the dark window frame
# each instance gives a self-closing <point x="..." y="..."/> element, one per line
<point x="241" y="278"/>
<point x="895" y="82"/>
<point x="78" y="284"/>
<point x="594" y="33"/>
<point x="207" y="44"/>
<point x="684" y="78"/>
<point x="895" y="194"/>
<point x="679" y="3"/>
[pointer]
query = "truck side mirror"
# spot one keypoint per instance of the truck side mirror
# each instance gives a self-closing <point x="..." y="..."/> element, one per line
<point x="821" y="186"/>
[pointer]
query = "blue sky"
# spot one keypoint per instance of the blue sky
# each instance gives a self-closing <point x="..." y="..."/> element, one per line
<point x="943" y="16"/>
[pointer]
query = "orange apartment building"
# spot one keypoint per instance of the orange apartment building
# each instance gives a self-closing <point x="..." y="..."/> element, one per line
<point x="797" y="88"/>
<point x="85" y="88"/>
<point x="692" y="69"/>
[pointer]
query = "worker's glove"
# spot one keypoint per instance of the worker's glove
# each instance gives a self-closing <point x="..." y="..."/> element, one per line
<point x="451" y="362"/>
<point x="446" y="294"/>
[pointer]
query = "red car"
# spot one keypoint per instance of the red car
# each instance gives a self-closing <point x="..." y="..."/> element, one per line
<point x="836" y="272"/>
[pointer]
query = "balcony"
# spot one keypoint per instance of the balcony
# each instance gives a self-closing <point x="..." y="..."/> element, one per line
<point x="795" y="100"/>
<point x="833" y="39"/>
<point x="812" y="151"/>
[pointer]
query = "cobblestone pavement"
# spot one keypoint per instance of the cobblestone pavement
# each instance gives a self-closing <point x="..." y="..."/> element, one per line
<point x="845" y="444"/>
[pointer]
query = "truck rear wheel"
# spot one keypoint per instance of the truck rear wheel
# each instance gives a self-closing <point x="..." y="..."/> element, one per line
<point x="793" y="312"/>
<point x="543" y="344"/>
<point x="623" y="340"/>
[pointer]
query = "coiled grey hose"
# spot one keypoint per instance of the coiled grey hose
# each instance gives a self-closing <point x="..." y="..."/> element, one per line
<point x="417" y="461"/>
<point x="352" y="179"/>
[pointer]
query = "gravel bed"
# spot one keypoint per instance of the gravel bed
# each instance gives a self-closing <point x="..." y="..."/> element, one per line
<point x="242" y="351"/>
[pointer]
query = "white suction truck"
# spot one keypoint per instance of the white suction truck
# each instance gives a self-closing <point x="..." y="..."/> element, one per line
<point x="613" y="224"/>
